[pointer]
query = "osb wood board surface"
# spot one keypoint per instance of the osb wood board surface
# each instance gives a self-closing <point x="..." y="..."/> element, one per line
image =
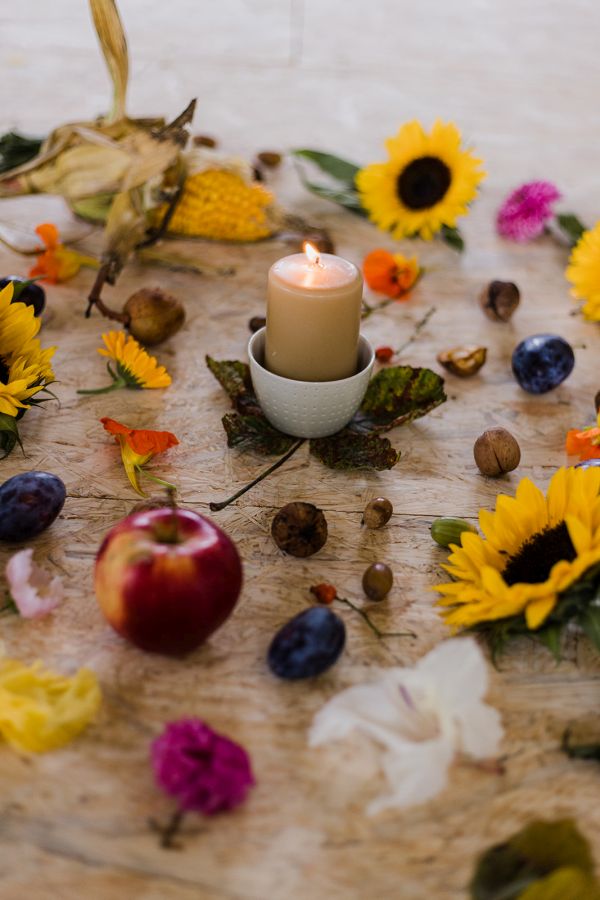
<point x="74" y="822"/>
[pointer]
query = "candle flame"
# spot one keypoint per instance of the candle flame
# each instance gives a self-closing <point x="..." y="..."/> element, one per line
<point x="312" y="254"/>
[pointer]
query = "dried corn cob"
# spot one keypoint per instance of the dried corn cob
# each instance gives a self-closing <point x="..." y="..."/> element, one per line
<point x="220" y="204"/>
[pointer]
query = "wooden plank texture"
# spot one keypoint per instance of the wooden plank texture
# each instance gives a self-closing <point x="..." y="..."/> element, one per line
<point x="74" y="823"/>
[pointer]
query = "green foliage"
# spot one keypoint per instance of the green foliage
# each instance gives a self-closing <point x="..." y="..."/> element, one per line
<point x="255" y="433"/>
<point x="16" y="149"/>
<point x="338" y="168"/>
<point x="234" y="378"/>
<point x="9" y="435"/>
<point x="571" y="225"/>
<point x="453" y="238"/>
<point x="508" y="871"/>
<point x="352" y="450"/>
<point x="397" y="395"/>
<point x="343" y="173"/>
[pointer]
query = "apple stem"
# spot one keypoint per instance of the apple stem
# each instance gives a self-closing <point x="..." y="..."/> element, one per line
<point x="215" y="507"/>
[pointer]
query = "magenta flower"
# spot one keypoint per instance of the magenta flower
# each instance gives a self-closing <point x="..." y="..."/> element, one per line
<point x="524" y="213"/>
<point x="203" y="770"/>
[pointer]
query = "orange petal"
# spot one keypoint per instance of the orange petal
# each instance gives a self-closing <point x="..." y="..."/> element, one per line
<point x="380" y="271"/>
<point x="114" y="427"/>
<point x="48" y="234"/>
<point x="147" y="442"/>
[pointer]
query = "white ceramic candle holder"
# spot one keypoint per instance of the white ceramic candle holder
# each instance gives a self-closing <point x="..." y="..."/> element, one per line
<point x="308" y="409"/>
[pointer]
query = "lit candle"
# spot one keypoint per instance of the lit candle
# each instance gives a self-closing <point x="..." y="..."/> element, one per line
<point x="314" y="305"/>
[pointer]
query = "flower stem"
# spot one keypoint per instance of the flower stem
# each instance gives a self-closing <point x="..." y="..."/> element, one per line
<point x="118" y="383"/>
<point x="376" y="631"/>
<point x="215" y="507"/>
<point x="170" y="830"/>
<point x="158" y="480"/>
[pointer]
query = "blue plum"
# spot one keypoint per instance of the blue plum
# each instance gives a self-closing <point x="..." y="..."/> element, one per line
<point x="29" y="503"/>
<point x="542" y="362"/>
<point x="307" y="645"/>
<point x="32" y="294"/>
<point x="588" y="464"/>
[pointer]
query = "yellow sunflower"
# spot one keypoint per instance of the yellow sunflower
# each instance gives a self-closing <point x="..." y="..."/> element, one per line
<point x="534" y="548"/>
<point x="427" y="182"/>
<point x="583" y="272"/>
<point x="134" y="367"/>
<point x="25" y="368"/>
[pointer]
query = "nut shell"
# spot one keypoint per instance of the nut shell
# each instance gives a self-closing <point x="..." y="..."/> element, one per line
<point x="378" y="513"/>
<point x="496" y="452"/>
<point x="499" y="299"/>
<point x="463" y="361"/>
<point x="299" y="529"/>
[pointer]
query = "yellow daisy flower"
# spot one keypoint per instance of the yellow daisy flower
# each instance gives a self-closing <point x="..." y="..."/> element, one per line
<point x="534" y="548"/>
<point x="25" y="368"/>
<point x="427" y="182"/>
<point x="583" y="272"/>
<point x="134" y="367"/>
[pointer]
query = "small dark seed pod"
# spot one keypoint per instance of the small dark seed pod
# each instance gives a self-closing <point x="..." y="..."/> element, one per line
<point x="204" y="140"/>
<point x="299" y="529"/>
<point x="256" y="323"/>
<point x="499" y="299"/>
<point x="269" y="158"/>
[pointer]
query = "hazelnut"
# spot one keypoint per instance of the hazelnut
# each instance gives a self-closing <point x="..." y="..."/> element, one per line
<point x="499" y="299"/>
<point x="496" y="451"/>
<point x="597" y="402"/>
<point x="378" y="513"/>
<point x="299" y="529"/>
<point x="463" y="361"/>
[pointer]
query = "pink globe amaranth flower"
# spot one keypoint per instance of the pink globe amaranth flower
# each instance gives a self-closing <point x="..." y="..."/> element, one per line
<point x="524" y="213"/>
<point x="205" y="771"/>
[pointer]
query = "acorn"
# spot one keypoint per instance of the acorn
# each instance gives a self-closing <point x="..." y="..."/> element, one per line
<point x="499" y="299"/>
<point x="153" y="315"/>
<point x="299" y="529"/>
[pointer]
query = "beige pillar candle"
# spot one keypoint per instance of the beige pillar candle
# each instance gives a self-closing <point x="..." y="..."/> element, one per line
<point x="314" y="305"/>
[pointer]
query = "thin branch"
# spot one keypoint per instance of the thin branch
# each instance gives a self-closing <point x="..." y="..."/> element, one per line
<point x="215" y="507"/>
<point x="417" y="330"/>
<point x="376" y="631"/>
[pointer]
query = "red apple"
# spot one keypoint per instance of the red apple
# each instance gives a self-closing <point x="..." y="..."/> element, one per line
<point x="167" y="578"/>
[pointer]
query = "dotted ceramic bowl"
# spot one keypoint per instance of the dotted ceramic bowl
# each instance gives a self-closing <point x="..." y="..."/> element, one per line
<point x="308" y="409"/>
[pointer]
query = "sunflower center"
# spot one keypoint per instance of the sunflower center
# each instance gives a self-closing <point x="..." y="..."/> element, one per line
<point x="423" y="182"/>
<point x="533" y="562"/>
<point x="4" y="371"/>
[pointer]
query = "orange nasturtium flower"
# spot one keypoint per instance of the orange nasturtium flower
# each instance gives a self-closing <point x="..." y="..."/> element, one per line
<point x="391" y="274"/>
<point x="138" y="446"/>
<point x="57" y="262"/>
<point x="585" y="443"/>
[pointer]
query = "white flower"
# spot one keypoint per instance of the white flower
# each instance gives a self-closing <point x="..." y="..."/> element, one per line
<point x="33" y="590"/>
<point x="422" y="717"/>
